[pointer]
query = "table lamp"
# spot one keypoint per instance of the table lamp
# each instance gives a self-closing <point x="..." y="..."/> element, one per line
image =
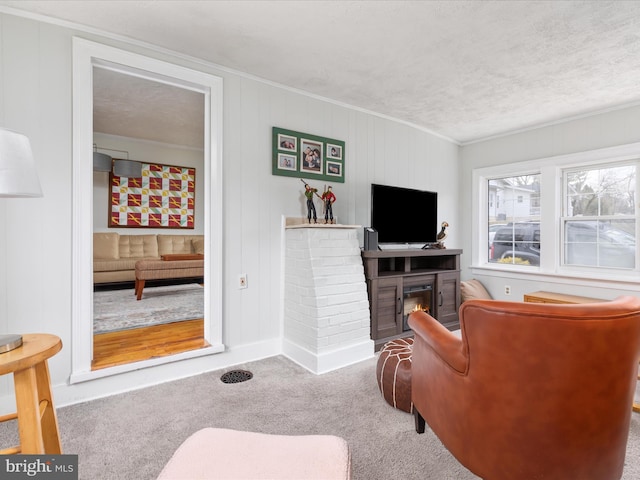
<point x="18" y="178"/>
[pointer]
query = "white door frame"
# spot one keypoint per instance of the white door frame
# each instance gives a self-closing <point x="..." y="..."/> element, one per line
<point x="86" y="55"/>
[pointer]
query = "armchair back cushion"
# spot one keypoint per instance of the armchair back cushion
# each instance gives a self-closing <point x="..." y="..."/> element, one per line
<point x="530" y="390"/>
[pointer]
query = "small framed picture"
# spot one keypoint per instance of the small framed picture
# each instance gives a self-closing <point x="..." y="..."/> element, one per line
<point x="288" y="143"/>
<point x="311" y="156"/>
<point x="334" y="152"/>
<point x="287" y="162"/>
<point x="334" y="169"/>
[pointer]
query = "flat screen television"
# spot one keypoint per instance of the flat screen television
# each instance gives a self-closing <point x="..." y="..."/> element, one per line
<point x="404" y="215"/>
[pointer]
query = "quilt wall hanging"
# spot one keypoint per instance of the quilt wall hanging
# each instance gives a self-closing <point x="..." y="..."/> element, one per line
<point x="297" y="154"/>
<point x="164" y="197"/>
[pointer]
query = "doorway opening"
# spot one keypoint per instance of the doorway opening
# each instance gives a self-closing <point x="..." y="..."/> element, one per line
<point x="144" y="206"/>
<point x="99" y="69"/>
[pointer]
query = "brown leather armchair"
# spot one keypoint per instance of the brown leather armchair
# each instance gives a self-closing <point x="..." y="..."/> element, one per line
<point x="530" y="391"/>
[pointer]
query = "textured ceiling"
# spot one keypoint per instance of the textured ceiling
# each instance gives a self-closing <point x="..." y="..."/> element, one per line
<point x="466" y="70"/>
<point x="130" y="106"/>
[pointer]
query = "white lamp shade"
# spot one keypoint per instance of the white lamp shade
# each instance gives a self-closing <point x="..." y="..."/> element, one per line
<point x="18" y="176"/>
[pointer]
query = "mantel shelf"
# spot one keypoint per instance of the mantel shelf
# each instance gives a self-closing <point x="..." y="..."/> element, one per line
<point x="322" y="225"/>
<point x="302" y="222"/>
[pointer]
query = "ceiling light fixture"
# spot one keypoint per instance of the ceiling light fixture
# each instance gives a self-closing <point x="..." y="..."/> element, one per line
<point x="127" y="168"/>
<point x="101" y="162"/>
<point x="120" y="167"/>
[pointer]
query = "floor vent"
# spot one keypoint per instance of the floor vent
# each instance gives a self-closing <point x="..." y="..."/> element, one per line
<point x="236" y="376"/>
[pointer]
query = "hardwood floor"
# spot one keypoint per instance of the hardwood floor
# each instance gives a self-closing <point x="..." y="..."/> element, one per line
<point x="127" y="346"/>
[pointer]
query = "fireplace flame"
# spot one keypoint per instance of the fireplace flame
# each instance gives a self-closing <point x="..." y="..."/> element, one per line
<point x="419" y="308"/>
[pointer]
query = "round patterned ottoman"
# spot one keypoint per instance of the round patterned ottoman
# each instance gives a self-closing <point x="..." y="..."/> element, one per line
<point x="394" y="373"/>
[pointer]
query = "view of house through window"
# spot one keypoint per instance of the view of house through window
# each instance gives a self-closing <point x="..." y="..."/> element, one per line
<point x="599" y="216"/>
<point x="514" y="220"/>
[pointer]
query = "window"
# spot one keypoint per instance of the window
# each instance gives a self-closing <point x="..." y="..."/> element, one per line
<point x="578" y="217"/>
<point x="514" y="221"/>
<point x="599" y="216"/>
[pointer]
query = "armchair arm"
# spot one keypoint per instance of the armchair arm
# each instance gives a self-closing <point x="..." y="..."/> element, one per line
<point x="445" y="344"/>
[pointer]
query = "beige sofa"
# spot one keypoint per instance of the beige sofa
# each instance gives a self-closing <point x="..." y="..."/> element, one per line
<point x="115" y="255"/>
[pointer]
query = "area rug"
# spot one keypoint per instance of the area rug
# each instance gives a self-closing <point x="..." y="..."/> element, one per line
<point x="119" y="310"/>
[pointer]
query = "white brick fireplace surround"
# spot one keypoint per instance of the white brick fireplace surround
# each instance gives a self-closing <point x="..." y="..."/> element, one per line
<point x="326" y="308"/>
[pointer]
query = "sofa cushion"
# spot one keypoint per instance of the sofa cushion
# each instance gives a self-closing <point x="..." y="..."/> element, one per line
<point x="118" y="265"/>
<point x="198" y="245"/>
<point x="138" y="246"/>
<point x="105" y="246"/>
<point x="175" y="244"/>
<point x="472" y="290"/>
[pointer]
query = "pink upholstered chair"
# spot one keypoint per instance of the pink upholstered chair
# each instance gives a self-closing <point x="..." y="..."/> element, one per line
<point x="530" y="390"/>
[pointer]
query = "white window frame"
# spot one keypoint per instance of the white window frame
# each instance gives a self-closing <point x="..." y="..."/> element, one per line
<point x="551" y="203"/>
<point x="564" y="218"/>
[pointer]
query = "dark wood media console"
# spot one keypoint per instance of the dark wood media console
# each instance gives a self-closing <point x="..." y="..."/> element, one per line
<point x="399" y="281"/>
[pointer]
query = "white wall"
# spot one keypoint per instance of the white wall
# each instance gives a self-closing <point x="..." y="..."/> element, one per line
<point x="609" y="129"/>
<point x="35" y="244"/>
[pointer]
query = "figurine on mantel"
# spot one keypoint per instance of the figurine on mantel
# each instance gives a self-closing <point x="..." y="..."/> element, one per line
<point x="328" y="197"/>
<point x="309" y="191"/>
<point x="442" y="235"/>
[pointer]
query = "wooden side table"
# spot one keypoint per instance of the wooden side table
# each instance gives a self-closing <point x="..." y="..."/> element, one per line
<point x="550" y="297"/>
<point x="36" y="414"/>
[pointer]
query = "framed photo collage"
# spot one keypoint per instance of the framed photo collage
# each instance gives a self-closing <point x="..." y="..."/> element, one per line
<point x="297" y="154"/>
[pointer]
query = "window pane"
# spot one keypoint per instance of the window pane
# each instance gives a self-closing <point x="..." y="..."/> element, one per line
<point x="600" y="243"/>
<point x="601" y="191"/>
<point x="600" y="217"/>
<point x="514" y="220"/>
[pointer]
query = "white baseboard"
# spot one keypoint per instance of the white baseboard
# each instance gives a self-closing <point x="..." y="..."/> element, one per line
<point x="328" y="361"/>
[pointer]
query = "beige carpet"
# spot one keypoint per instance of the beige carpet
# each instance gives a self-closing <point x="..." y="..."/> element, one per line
<point x="132" y="436"/>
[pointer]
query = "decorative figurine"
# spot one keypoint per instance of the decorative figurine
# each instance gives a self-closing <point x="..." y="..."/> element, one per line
<point x="442" y="235"/>
<point x="309" y="191"/>
<point x="328" y="198"/>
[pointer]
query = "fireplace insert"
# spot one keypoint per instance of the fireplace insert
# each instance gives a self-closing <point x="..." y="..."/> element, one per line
<point x="416" y="297"/>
